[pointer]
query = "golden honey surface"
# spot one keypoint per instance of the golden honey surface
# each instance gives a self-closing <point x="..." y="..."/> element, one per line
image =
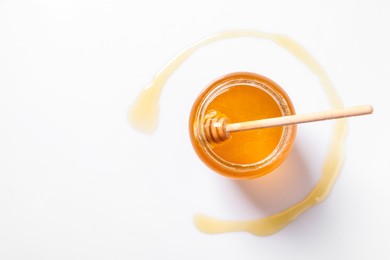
<point x="244" y="103"/>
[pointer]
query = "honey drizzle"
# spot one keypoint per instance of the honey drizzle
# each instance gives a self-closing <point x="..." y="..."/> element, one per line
<point x="143" y="116"/>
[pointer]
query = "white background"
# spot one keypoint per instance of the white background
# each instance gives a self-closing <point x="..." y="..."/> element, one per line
<point x="77" y="182"/>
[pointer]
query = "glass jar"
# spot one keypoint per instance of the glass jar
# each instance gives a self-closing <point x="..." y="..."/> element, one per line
<point x="243" y="96"/>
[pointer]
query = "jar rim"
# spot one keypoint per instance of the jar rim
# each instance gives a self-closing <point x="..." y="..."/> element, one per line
<point x="219" y="86"/>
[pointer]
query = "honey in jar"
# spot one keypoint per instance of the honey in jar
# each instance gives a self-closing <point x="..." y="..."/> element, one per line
<point x="240" y="97"/>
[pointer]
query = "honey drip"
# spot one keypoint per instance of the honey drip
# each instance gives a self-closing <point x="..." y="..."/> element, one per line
<point x="143" y="116"/>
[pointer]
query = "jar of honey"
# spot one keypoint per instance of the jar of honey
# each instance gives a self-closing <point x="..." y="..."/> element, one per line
<point x="240" y="97"/>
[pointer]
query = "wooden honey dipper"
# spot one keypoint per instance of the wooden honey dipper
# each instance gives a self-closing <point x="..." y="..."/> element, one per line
<point x="217" y="129"/>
